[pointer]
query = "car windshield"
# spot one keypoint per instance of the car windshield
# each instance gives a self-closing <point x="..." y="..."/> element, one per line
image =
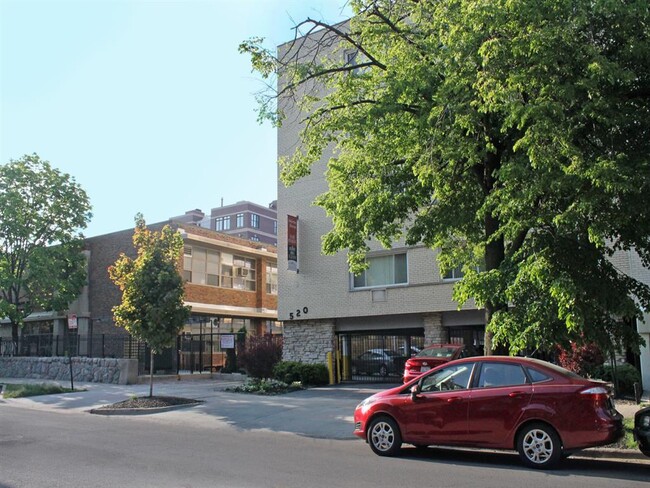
<point x="437" y="352"/>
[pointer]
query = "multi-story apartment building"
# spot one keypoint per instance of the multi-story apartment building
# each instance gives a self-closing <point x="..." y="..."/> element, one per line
<point x="244" y="219"/>
<point x="230" y="284"/>
<point x="403" y="294"/>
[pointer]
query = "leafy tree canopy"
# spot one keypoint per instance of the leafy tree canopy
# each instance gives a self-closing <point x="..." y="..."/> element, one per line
<point x="42" y="213"/>
<point x="152" y="307"/>
<point x="512" y="135"/>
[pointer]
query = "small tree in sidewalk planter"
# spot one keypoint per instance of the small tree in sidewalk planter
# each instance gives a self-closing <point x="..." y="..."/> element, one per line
<point x="152" y="308"/>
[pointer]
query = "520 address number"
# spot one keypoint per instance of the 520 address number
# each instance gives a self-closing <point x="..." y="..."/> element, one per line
<point x="298" y="313"/>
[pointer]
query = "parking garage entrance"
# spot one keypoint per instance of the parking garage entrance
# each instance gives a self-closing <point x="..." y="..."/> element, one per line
<point x="377" y="356"/>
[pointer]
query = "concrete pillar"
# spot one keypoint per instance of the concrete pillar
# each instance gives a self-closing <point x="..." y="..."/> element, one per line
<point x="83" y="330"/>
<point x="434" y="332"/>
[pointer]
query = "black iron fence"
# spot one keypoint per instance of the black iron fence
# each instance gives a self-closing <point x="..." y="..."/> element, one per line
<point x="192" y="353"/>
<point x="375" y="358"/>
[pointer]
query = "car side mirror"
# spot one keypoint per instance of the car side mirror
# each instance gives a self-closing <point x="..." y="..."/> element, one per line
<point x="415" y="391"/>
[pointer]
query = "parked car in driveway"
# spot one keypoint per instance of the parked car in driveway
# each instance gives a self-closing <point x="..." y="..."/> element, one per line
<point x="430" y="357"/>
<point x="380" y="361"/>
<point x="536" y="408"/>
<point x="642" y="430"/>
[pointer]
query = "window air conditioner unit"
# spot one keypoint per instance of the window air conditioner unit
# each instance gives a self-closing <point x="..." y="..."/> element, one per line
<point x="242" y="272"/>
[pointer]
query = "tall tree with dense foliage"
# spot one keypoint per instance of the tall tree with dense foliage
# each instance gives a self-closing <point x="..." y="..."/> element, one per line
<point x="152" y="308"/>
<point x="512" y="135"/>
<point x="42" y="214"/>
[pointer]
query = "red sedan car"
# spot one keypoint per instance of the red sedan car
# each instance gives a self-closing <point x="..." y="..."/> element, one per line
<point x="430" y="357"/>
<point x="534" y="407"/>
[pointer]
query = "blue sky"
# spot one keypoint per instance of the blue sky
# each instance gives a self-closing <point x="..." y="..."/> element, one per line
<point x="147" y="104"/>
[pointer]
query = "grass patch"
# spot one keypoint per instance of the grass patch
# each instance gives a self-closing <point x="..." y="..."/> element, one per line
<point x="27" y="390"/>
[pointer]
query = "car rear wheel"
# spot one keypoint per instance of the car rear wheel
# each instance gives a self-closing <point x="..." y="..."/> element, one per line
<point x="384" y="436"/>
<point x="539" y="446"/>
<point x="644" y="447"/>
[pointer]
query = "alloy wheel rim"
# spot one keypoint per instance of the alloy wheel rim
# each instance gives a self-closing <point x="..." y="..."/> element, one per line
<point x="382" y="436"/>
<point x="538" y="446"/>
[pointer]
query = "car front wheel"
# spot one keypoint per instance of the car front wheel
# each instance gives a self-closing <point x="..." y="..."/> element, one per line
<point x="539" y="446"/>
<point x="384" y="437"/>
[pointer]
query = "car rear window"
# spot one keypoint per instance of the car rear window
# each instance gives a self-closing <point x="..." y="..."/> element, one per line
<point x="537" y="376"/>
<point x="437" y="352"/>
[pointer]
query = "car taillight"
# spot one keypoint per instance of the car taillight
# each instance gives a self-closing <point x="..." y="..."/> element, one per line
<point x="600" y="396"/>
<point x="595" y="390"/>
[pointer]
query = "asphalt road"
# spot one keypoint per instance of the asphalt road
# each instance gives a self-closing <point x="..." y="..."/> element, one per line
<point x="44" y="448"/>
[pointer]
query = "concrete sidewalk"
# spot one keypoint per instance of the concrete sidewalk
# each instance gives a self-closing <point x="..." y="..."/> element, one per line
<point x="325" y="412"/>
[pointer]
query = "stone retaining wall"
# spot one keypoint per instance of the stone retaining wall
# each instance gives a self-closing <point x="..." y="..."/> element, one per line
<point x="96" y="370"/>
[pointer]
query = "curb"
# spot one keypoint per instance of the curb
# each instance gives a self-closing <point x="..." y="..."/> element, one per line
<point x="612" y="453"/>
<point x="140" y="411"/>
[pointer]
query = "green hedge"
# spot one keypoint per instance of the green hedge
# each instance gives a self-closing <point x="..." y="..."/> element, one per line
<point x="307" y="374"/>
<point x="626" y="376"/>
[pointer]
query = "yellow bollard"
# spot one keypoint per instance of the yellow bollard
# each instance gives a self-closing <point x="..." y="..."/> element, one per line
<point x="330" y="367"/>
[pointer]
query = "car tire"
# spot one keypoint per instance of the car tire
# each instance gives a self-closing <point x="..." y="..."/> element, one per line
<point x="383" y="371"/>
<point x="539" y="446"/>
<point x="644" y="447"/>
<point x="384" y="436"/>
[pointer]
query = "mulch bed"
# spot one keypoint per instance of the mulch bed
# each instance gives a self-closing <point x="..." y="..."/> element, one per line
<point x="151" y="402"/>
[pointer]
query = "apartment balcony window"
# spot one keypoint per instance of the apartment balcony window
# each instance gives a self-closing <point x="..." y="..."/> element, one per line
<point x="272" y="279"/>
<point x="255" y="221"/>
<point x="383" y="271"/>
<point x="222" y="223"/>
<point x="207" y="267"/>
<point x="240" y="220"/>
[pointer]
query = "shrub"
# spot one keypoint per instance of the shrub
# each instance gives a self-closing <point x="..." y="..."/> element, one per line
<point x="265" y="387"/>
<point x="626" y="376"/>
<point x="307" y="374"/>
<point x="260" y="355"/>
<point x="582" y="359"/>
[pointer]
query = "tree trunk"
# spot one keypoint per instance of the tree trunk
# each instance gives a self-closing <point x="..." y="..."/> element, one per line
<point x="494" y="256"/>
<point x="151" y="374"/>
<point x="14" y="332"/>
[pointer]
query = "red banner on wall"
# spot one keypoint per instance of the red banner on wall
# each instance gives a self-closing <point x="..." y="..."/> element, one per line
<point x="292" y="242"/>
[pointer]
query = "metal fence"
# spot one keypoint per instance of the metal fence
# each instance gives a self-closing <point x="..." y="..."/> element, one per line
<point x="192" y="353"/>
<point x="375" y="358"/>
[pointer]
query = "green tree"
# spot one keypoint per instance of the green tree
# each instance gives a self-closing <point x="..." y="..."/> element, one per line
<point x="152" y="308"/>
<point x="512" y="135"/>
<point x="42" y="213"/>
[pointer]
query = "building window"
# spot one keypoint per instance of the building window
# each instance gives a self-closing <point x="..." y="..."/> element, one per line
<point x="255" y="221"/>
<point x="272" y="279"/>
<point x="207" y="267"/>
<point x="275" y="227"/>
<point x="240" y="220"/>
<point x="222" y="223"/>
<point x="454" y="274"/>
<point x="383" y="271"/>
<point x="457" y="273"/>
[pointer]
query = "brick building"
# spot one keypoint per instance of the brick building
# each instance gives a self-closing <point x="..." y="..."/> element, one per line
<point x="231" y="283"/>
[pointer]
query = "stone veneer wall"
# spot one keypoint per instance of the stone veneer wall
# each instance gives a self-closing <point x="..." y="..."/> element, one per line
<point x="95" y="370"/>
<point x="434" y="332"/>
<point x="308" y="341"/>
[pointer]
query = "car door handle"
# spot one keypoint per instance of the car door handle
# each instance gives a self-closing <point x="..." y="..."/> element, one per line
<point x="516" y="394"/>
<point x="453" y="399"/>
